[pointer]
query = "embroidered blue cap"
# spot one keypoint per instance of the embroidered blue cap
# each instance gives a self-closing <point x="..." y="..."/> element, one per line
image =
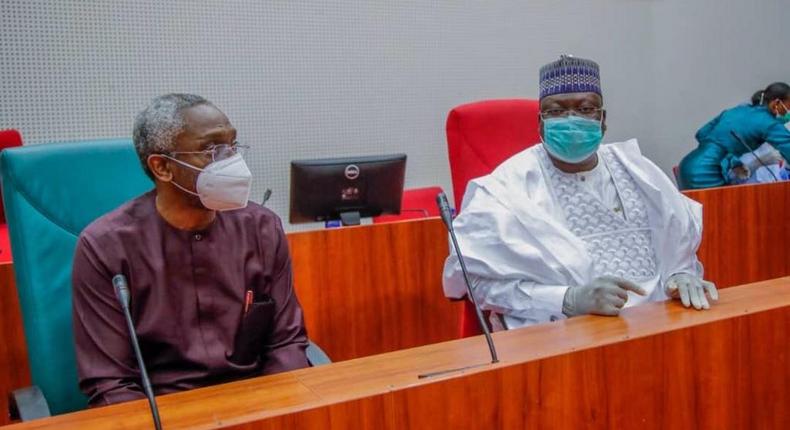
<point x="570" y="75"/>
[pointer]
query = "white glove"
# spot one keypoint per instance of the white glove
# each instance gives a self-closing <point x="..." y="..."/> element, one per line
<point x="691" y="290"/>
<point x="767" y="154"/>
<point x="603" y="296"/>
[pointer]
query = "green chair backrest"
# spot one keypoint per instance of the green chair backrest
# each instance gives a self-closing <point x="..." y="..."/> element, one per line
<point x="51" y="192"/>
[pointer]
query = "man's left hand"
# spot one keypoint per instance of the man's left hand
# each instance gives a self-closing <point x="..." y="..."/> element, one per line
<point x="691" y="290"/>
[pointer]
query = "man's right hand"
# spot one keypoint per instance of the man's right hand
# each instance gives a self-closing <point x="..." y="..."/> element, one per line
<point x="603" y="296"/>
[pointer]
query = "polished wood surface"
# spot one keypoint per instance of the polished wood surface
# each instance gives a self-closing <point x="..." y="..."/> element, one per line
<point x="376" y="288"/>
<point x="14" y="368"/>
<point x="657" y="366"/>
<point x="745" y="232"/>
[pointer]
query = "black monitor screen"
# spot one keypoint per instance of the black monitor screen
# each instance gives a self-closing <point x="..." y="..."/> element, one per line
<point x="334" y="188"/>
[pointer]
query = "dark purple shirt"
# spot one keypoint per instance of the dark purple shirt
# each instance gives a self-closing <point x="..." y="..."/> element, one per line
<point x="188" y="292"/>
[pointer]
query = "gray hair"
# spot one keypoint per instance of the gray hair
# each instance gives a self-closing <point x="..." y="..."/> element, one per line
<point x="157" y="126"/>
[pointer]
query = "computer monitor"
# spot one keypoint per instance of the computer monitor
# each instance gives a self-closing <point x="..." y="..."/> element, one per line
<point x="346" y="188"/>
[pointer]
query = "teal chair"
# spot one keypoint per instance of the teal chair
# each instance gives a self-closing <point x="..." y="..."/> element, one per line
<point x="51" y="192"/>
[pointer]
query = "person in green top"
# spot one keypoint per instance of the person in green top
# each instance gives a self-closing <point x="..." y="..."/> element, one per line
<point x="728" y="143"/>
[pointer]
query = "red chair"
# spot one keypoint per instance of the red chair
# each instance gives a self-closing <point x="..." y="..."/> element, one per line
<point x="676" y="172"/>
<point x="5" y="245"/>
<point x="8" y="139"/>
<point x="416" y="203"/>
<point x="480" y="136"/>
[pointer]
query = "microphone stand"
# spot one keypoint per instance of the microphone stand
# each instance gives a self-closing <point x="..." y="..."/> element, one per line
<point x="444" y="210"/>
<point x="122" y="293"/>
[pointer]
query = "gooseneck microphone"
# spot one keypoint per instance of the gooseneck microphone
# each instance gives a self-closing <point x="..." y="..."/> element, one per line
<point x="444" y="210"/>
<point x="266" y="196"/>
<point x="122" y="293"/>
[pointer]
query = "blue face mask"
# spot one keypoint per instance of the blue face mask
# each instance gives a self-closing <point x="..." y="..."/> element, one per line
<point x="572" y="139"/>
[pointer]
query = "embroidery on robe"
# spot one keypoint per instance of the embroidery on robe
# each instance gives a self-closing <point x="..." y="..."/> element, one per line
<point x="618" y="246"/>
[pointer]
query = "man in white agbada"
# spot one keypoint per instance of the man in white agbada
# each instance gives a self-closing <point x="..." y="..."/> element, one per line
<point x="570" y="227"/>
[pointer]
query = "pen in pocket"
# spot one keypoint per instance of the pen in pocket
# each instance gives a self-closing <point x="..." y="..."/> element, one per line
<point x="247" y="301"/>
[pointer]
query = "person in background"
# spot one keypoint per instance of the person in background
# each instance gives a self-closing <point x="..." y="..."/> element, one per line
<point x="742" y="142"/>
<point x="571" y="227"/>
<point x="209" y="273"/>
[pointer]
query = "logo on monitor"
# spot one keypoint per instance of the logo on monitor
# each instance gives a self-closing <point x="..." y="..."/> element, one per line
<point x="352" y="171"/>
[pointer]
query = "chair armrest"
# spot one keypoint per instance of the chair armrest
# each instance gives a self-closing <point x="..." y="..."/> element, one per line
<point x="28" y="404"/>
<point x="315" y="355"/>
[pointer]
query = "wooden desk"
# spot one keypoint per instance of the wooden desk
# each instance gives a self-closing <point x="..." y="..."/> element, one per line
<point x="14" y="367"/>
<point x="373" y="289"/>
<point x="657" y="366"/>
<point x="746" y="230"/>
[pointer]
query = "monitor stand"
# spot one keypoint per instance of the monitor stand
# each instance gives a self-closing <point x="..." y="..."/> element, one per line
<point x="350" y="218"/>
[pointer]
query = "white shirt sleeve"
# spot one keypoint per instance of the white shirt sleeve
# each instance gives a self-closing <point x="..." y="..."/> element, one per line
<point x="519" y="298"/>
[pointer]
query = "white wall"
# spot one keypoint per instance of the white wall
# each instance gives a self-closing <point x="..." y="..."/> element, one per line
<point x="305" y="79"/>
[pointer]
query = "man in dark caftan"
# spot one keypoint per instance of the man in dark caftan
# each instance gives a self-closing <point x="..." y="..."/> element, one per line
<point x="209" y="273"/>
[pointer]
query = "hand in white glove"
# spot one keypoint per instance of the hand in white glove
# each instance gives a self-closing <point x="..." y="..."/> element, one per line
<point x="603" y="296"/>
<point x="766" y="153"/>
<point x="691" y="290"/>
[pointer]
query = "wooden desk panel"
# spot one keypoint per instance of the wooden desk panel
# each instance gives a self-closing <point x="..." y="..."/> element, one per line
<point x="706" y="377"/>
<point x="373" y="289"/>
<point x="14" y="367"/>
<point x="745" y="232"/>
<point x="657" y="366"/>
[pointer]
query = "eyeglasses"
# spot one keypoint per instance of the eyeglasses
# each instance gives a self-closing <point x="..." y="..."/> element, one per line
<point x="586" y="112"/>
<point x="218" y="152"/>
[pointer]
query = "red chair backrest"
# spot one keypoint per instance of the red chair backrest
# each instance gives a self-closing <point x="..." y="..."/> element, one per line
<point x="8" y="139"/>
<point x="416" y="203"/>
<point x="481" y="135"/>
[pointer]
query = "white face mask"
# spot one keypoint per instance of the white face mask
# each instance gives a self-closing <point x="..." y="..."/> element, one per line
<point x="222" y="185"/>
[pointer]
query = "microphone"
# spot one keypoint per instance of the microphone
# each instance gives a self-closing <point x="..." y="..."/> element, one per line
<point x="122" y="293"/>
<point x="743" y="142"/>
<point x="266" y="196"/>
<point x="447" y="218"/>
